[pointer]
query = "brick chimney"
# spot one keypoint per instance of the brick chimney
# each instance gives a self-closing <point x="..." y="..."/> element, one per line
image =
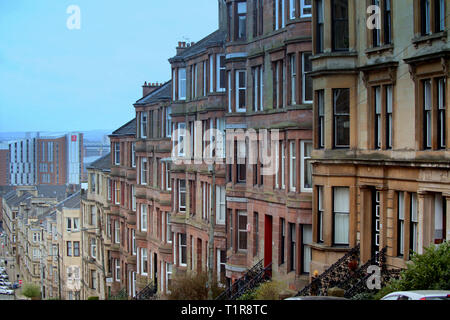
<point x="181" y="47"/>
<point x="148" y="88"/>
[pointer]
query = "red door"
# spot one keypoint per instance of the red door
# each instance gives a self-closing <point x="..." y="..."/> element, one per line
<point x="267" y="240"/>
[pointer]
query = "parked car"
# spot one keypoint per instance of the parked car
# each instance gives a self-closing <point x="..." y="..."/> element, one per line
<point x="316" y="298"/>
<point x="4" y="276"/>
<point x="7" y="283"/>
<point x="418" y="295"/>
<point x="6" y="291"/>
<point x="4" y="288"/>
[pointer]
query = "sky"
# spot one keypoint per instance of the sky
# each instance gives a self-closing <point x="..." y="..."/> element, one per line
<point x="56" y="78"/>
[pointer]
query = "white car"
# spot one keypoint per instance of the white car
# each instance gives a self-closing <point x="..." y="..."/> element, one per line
<point x="418" y="295"/>
<point x="6" y="291"/>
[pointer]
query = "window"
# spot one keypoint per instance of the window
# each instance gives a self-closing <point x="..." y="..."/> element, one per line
<point x="182" y="247"/>
<point x="93" y="280"/>
<point x="193" y="81"/>
<point x="168" y="276"/>
<point x="282" y="240"/>
<point x="414" y="223"/>
<point x="117" y="192"/>
<point x="168" y="229"/>
<point x="306" y="249"/>
<point x="241" y="153"/>
<point x="241" y="21"/>
<point x="117" y="270"/>
<point x="68" y="227"/>
<point x="341" y="107"/>
<point x="76" y="248"/>
<point x="320" y="119"/>
<point x="277" y="4"/>
<point x="340" y="34"/>
<point x="144" y="124"/>
<point x="377" y="126"/>
<point x="387" y="22"/>
<point x="211" y="73"/>
<point x="293" y="66"/>
<point x="376" y="32"/>
<point x="425" y="16"/>
<point x="133" y="154"/>
<point x="427" y="106"/>
<point x="204" y="78"/>
<point x="221" y="72"/>
<point x="144" y="218"/>
<point x="441" y="114"/>
<point x="319" y="27"/>
<point x="255" y="233"/>
<point x="389" y="117"/>
<point x="144" y="262"/>
<point x="221" y="261"/>
<point x="240" y="91"/>
<point x="341" y="213"/>
<point x="116" y="232"/>
<point x="182" y="195"/>
<point x="292" y="9"/>
<point x="258" y="18"/>
<point x="401" y="223"/>
<point x="117" y="153"/>
<point x="109" y="189"/>
<point x="69" y="248"/>
<point x="306" y="169"/>
<point x="257" y="94"/>
<point x="305" y="8"/>
<point x="144" y="171"/>
<point x="439" y="15"/>
<point x="181" y="139"/>
<point x="93" y="248"/>
<point x="220" y="204"/>
<point x="283" y="164"/>
<point x="307" y="87"/>
<point x="293" y="246"/>
<point x="168" y="118"/>
<point x="93" y="217"/>
<point x="292" y="166"/>
<point x="182" y="84"/>
<point x="320" y="214"/>
<point x="133" y="197"/>
<point x="242" y="230"/>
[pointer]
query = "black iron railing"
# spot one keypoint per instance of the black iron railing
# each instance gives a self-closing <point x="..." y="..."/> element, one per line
<point x="147" y="293"/>
<point x="333" y="275"/>
<point x="250" y="280"/>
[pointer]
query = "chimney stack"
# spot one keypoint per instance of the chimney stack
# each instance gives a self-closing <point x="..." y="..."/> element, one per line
<point x="181" y="47"/>
<point x="148" y="88"/>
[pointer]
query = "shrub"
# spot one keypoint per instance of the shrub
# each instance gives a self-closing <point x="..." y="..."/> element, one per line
<point x="428" y="271"/>
<point x="31" y="290"/>
<point x="269" y="290"/>
<point x="92" y="298"/>
<point x="363" y="296"/>
<point x="192" y="287"/>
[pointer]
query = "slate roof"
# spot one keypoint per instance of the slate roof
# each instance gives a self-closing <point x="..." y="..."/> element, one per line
<point x="217" y="38"/>
<point x="72" y="202"/>
<point x="13" y="200"/>
<point x="127" y="129"/>
<point x="103" y="163"/>
<point x="49" y="191"/>
<point x="162" y="93"/>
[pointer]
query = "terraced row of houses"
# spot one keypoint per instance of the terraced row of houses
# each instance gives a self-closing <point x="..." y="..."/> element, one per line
<point x="296" y="133"/>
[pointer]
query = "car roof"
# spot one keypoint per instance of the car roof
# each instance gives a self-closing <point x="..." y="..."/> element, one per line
<point x="421" y="292"/>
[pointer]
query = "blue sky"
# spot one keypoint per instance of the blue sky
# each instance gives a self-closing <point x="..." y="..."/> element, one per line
<point x="56" y="79"/>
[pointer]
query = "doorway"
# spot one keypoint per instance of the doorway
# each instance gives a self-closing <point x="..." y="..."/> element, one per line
<point x="376" y="211"/>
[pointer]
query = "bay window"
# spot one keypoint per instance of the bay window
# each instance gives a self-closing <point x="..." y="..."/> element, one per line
<point x="306" y="167"/>
<point x="241" y="91"/>
<point x="220" y="72"/>
<point x="182" y="247"/>
<point x="144" y="218"/>
<point x="242" y="230"/>
<point x="182" y="84"/>
<point x="341" y="212"/>
<point x="182" y="195"/>
<point x="341" y="108"/>
<point x="292" y="166"/>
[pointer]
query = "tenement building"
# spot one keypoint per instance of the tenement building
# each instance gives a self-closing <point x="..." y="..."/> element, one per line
<point x="152" y="197"/>
<point x="267" y="87"/>
<point x="381" y="137"/>
<point x="97" y="231"/>
<point x="122" y="216"/>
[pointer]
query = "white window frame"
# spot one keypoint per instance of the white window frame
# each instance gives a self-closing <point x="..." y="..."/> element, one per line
<point x="304" y="78"/>
<point x="182" y="84"/>
<point x="93" y="246"/>
<point x="283" y="165"/>
<point x="220" y="205"/>
<point x="117" y="270"/>
<point x="401" y="221"/>
<point x="180" y="207"/>
<point x="180" y="249"/>
<point x="116" y="231"/>
<point x="320" y="212"/>
<point x="181" y="147"/>
<point x="133" y="154"/>
<point x="218" y="69"/>
<point x="293" y="165"/>
<point x="241" y="88"/>
<point x="343" y="213"/>
<point x="143" y="222"/>
<point x="168" y="273"/>
<point x="144" y="115"/>
<point x="211" y="73"/>
<point x="133" y="197"/>
<point x="292" y="8"/>
<point x="117" y="153"/>
<point x="230" y="109"/>
<point x="168" y="232"/>
<point x="304" y="6"/>
<point x="143" y="261"/>
<point x="302" y="165"/>
<point x="144" y="171"/>
<point x="133" y="242"/>
<point x="293" y="66"/>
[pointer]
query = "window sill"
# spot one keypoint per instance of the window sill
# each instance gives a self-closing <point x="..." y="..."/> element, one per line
<point x="379" y="50"/>
<point x="429" y="38"/>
